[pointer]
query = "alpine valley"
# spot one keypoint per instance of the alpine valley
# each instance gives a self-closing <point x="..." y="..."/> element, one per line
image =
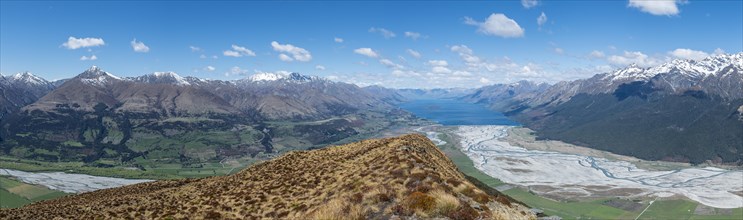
<point x="352" y="110"/>
<point x="162" y="125"/>
<point x="683" y="110"/>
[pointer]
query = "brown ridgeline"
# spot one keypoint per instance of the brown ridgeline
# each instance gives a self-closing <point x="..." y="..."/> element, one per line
<point x="406" y="176"/>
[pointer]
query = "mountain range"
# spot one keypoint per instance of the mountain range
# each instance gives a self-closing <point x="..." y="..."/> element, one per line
<point x="99" y="118"/>
<point x="683" y="110"/>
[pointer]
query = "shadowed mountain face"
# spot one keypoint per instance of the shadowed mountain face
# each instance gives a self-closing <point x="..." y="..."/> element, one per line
<point x="378" y="179"/>
<point x="19" y="90"/>
<point x="684" y="110"/>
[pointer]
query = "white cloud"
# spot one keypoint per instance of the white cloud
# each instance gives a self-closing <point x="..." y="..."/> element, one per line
<point x="440" y="70"/>
<point x="439" y="66"/>
<point x="139" y="46"/>
<point x="366" y="52"/>
<point x="238" y="51"/>
<point x="75" y="43"/>
<point x="320" y="67"/>
<point x="243" y="50"/>
<point x="338" y="40"/>
<point x="484" y="81"/>
<point x="596" y="54"/>
<point x="719" y="51"/>
<point x="413" y="35"/>
<point x="529" y="3"/>
<point x="236" y="71"/>
<point x="497" y="25"/>
<point x="210" y="68"/>
<point x="438" y="63"/>
<point x="92" y="57"/>
<point x="297" y="53"/>
<point x="202" y="56"/>
<point x="541" y="19"/>
<point x="229" y="53"/>
<point x="633" y="57"/>
<point x="285" y="58"/>
<point x="413" y="53"/>
<point x="194" y="48"/>
<point x="390" y="64"/>
<point x="684" y="53"/>
<point x="559" y="50"/>
<point x="656" y="7"/>
<point x="462" y="73"/>
<point x="384" y="32"/>
<point x="467" y="56"/>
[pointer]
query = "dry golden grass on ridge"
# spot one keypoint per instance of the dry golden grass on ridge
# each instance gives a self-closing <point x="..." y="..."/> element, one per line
<point x="401" y="177"/>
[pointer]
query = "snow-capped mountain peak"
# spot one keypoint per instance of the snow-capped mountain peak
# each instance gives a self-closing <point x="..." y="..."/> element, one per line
<point x="633" y="71"/>
<point x="692" y="68"/>
<point x="96" y="76"/>
<point x="702" y="68"/>
<point x="163" y="77"/>
<point x="264" y="76"/>
<point x="281" y="75"/>
<point x="95" y="72"/>
<point x="28" y="78"/>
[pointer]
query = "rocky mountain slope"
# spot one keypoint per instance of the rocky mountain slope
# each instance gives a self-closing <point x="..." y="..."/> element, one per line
<point x="21" y="89"/>
<point x="683" y="110"/>
<point x="405" y="176"/>
<point x="386" y="94"/>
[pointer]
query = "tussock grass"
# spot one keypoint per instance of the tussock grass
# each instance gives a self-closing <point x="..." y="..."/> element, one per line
<point x="445" y="202"/>
<point x="338" y="209"/>
<point x="377" y="179"/>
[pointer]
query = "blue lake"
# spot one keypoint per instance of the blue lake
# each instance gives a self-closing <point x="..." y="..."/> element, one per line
<point x="455" y="112"/>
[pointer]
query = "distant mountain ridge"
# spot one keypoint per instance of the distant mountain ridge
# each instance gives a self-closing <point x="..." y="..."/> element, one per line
<point x="97" y="117"/>
<point x="271" y="95"/>
<point x="507" y="94"/>
<point x="717" y="75"/>
<point x="683" y="110"/>
<point x="434" y="93"/>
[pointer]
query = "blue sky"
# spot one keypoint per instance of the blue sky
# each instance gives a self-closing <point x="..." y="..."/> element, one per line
<point x="447" y="44"/>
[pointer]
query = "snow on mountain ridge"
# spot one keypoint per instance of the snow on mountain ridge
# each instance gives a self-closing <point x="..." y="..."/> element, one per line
<point x="28" y="78"/>
<point x="163" y="77"/>
<point x="266" y="76"/>
<point x="96" y="76"/>
<point x="693" y="68"/>
<point x="281" y="75"/>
